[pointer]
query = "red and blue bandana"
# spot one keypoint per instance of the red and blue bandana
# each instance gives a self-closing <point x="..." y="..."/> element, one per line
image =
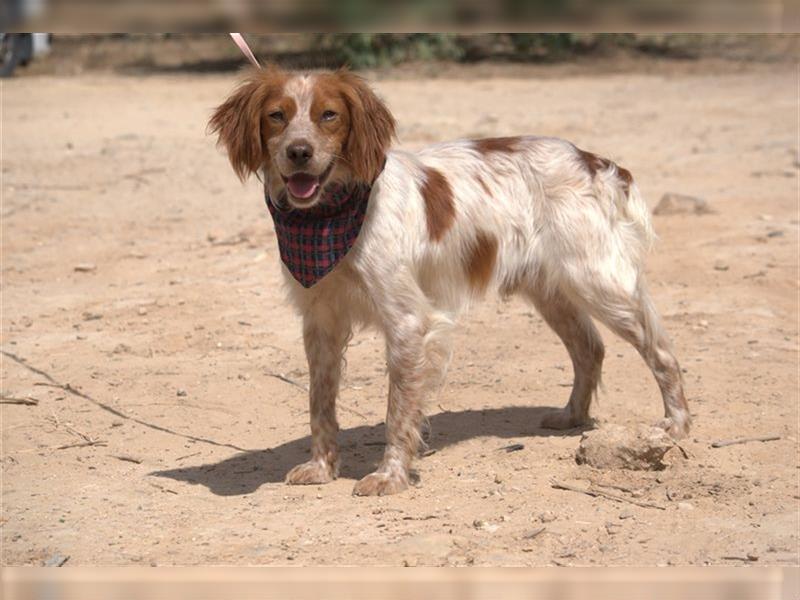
<point x="313" y="241"/>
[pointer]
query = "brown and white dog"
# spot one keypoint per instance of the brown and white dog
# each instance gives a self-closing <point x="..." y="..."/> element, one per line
<point x="534" y="216"/>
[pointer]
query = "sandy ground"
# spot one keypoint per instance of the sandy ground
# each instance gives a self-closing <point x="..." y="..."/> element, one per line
<point x="164" y="425"/>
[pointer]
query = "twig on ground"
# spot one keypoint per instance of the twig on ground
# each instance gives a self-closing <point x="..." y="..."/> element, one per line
<point x="114" y="411"/>
<point x="89" y="440"/>
<point x="535" y="533"/>
<point x="766" y="438"/>
<point x="13" y="400"/>
<point x="187" y="456"/>
<point x="513" y="447"/>
<point x="352" y="410"/>
<point x="162" y="488"/>
<point x="127" y="458"/>
<point x="285" y="379"/>
<point x="602" y="494"/>
<point x="82" y="444"/>
<point x="612" y="486"/>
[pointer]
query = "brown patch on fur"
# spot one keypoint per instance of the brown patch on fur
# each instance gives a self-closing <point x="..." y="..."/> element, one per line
<point x="626" y="178"/>
<point x="482" y="183"/>
<point x="594" y="163"/>
<point x="505" y="145"/>
<point x="372" y="126"/>
<point x="241" y="121"/>
<point x="440" y="208"/>
<point x="328" y="95"/>
<point x="480" y="260"/>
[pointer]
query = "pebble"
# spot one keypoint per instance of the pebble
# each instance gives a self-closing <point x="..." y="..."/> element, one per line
<point x="57" y="560"/>
<point x="484" y="525"/>
<point x="720" y="265"/>
<point x="619" y="447"/>
<point x="676" y="204"/>
<point x="547" y="517"/>
<point x="142" y="310"/>
<point x="181" y="392"/>
<point x="612" y="528"/>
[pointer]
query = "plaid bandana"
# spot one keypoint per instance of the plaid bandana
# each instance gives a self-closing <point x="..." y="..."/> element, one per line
<point x="313" y="241"/>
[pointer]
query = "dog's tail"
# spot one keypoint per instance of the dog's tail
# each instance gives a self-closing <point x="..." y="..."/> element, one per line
<point x="635" y="210"/>
<point x="630" y="211"/>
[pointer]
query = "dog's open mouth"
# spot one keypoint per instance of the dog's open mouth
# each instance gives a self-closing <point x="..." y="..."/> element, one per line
<point x="305" y="185"/>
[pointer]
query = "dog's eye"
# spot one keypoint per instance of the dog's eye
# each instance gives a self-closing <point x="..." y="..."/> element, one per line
<point x="328" y="115"/>
<point x="277" y="116"/>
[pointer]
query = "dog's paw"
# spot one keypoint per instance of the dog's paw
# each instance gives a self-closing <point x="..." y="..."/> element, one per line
<point x="677" y="428"/>
<point x="562" y="418"/>
<point x="313" y="471"/>
<point x="380" y="483"/>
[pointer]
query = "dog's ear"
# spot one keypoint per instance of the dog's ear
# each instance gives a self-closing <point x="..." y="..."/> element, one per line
<point x="238" y="120"/>
<point x="372" y="127"/>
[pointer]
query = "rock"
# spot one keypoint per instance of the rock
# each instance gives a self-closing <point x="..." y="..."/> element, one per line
<point x="681" y="204"/>
<point x="142" y="311"/>
<point x="91" y="316"/>
<point x="85" y="267"/>
<point x="616" y="447"/>
<point x="484" y="525"/>
<point x="626" y="514"/>
<point x="685" y="506"/>
<point x="547" y="517"/>
<point x="612" y="528"/>
<point x="181" y="392"/>
<point x="56" y="560"/>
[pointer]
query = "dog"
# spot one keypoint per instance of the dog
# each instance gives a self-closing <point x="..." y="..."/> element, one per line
<point x="535" y="216"/>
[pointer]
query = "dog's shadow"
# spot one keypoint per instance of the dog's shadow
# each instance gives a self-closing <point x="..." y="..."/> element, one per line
<point x="361" y="448"/>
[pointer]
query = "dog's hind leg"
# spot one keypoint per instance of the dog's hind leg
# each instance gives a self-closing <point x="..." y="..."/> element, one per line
<point x="626" y="308"/>
<point x="325" y="335"/>
<point x="585" y="346"/>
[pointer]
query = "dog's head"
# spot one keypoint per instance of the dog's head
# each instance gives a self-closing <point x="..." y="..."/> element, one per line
<point x="304" y="131"/>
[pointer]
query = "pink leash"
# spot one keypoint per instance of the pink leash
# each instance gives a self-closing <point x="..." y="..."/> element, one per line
<point x="239" y="40"/>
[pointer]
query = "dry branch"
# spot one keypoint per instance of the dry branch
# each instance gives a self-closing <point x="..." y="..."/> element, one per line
<point x="766" y="438"/>
<point x="602" y="494"/>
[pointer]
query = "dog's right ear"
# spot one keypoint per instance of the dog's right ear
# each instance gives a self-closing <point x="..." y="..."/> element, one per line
<point x="238" y="120"/>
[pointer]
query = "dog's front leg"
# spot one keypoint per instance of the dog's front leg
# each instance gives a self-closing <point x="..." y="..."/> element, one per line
<point x="325" y="336"/>
<point x="405" y="358"/>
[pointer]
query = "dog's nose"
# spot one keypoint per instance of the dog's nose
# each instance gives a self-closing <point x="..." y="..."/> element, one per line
<point x="299" y="152"/>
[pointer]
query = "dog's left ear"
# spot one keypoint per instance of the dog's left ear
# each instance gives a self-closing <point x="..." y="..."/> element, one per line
<point x="372" y="127"/>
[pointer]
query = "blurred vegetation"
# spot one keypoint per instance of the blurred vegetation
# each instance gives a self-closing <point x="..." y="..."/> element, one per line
<point x="372" y="50"/>
<point x="206" y="53"/>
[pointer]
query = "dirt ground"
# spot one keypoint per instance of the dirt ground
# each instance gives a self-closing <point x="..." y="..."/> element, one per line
<point x="143" y="313"/>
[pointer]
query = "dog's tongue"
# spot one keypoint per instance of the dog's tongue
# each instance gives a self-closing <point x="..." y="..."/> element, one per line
<point x="302" y="185"/>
